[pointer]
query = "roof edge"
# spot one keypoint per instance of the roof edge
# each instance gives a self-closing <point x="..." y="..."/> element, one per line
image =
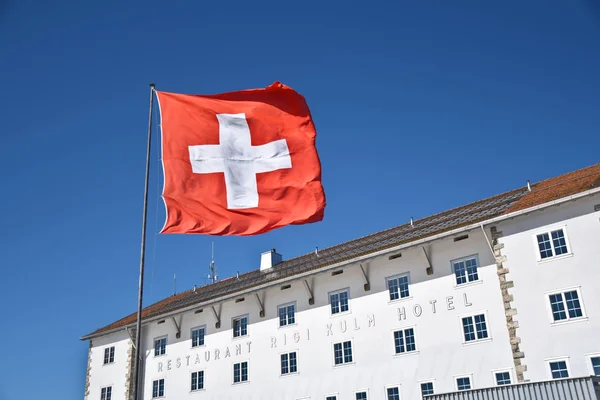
<point x="377" y="253"/>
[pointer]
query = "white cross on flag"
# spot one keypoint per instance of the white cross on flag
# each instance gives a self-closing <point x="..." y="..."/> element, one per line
<point x="239" y="163"/>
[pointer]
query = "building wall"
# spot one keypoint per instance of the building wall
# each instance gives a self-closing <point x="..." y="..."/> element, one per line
<point x="534" y="279"/>
<point x="434" y="310"/>
<point x="114" y="374"/>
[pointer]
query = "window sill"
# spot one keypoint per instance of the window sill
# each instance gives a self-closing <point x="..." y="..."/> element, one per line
<point x="569" y="321"/>
<point x="197" y="390"/>
<point x="240" y="383"/>
<point x="406" y="354"/>
<point x="289" y="374"/>
<point x="340" y="314"/>
<point x="467" y="284"/>
<point x="240" y="337"/>
<point x="348" y="364"/>
<point x="554" y="258"/>
<point x="478" y="341"/>
<point x="295" y="324"/>
<point x="401" y="299"/>
<point x="160" y="355"/>
<point x="198" y="347"/>
<point x="108" y="364"/>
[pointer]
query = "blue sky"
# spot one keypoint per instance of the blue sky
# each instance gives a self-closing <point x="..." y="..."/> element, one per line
<point x="419" y="107"/>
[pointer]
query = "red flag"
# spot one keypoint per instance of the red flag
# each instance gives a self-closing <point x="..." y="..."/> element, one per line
<point x="239" y="163"/>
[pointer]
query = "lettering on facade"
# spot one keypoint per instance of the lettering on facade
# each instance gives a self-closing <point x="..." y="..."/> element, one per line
<point x="295" y="336"/>
<point x="169" y="365"/>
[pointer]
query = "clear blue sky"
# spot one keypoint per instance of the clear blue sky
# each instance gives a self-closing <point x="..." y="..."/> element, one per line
<point x="419" y="108"/>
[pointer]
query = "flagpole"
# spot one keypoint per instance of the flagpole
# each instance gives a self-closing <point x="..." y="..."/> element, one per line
<point x="138" y="330"/>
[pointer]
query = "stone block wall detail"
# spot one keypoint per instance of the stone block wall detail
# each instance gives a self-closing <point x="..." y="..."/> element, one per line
<point x="130" y="367"/>
<point x="86" y="394"/>
<point x="509" y="311"/>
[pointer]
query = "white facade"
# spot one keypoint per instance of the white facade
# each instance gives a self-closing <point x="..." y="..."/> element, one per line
<point x="542" y="339"/>
<point x="434" y="310"/>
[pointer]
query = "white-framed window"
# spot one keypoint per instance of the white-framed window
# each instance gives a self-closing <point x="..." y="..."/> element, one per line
<point x="558" y="368"/>
<point x="566" y="305"/>
<point x="109" y="355"/>
<point x="465" y="269"/>
<point x="398" y="286"/>
<point x="502" y="378"/>
<point x="240" y="326"/>
<point x="463" y="382"/>
<point x="361" y="395"/>
<point x="426" y="388"/>
<point x="552" y="243"/>
<point x="342" y="353"/>
<point x="197" y="335"/>
<point x="331" y="396"/>
<point x="240" y="372"/>
<point x="595" y="364"/>
<point x="289" y="363"/>
<point x="392" y="392"/>
<point x="158" y="388"/>
<point x="197" y="381"/>
<point x="474" y="328"/>
<point x="287" y="314"/>
<point x="160" y="346"/>
<point x="404" y="341"/>
<point x="106" y="393"/>
<point x="339" y="301"/>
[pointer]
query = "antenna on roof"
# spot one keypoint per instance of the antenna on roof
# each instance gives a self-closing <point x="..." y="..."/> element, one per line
<point x="528" y="185"/>
<point x="174" y="284"/>
<point x="317" y="251"/>
<point x="411" y="222"/>
<point x="212" y="276"/>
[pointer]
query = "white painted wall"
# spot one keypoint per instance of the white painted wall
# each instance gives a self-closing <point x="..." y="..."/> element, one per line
<point x="541" y="339"/>
<point x="110" y="374"/>
<point x="441" y="352"/>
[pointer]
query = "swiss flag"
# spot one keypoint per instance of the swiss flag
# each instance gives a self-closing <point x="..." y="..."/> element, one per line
<point x="239" y="163"/>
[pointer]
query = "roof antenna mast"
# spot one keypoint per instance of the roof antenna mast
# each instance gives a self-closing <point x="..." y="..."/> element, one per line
<point x="212" y="276"/>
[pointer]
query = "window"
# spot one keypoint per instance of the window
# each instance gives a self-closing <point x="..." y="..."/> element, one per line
<point x="287" y="314"/>
<point x="426" y="388"/>
<point x="198" y="336"/>
<point x="158" y="388"/>
<point x="160" y="346"/>
<point x="197" y="380"/>
<point x="595" y="365"/>
<point x="502" y="378"/>
<point x="240" y="326"/>
<point x="289" y="363"/>
<point x="342" y="352"/>
<point x="551" y="244"/>
<point x="106" y="393"/>
<point x="559" y="369"/>
<point x="465" y="270"/>
<point x="109" y="355"/>
<point x="393" y="393"/>
<point x="565" y="305"/>
<point x="339" y="301"/>
<point x="398" y="287"/>
<point x="361" y="396"/>
<point x="463" y="383"/>
<point x="331" y="398"/>
<point x="474" y="327"/>
<point x="404" y="341"/>
<point x="240" y="372"/>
